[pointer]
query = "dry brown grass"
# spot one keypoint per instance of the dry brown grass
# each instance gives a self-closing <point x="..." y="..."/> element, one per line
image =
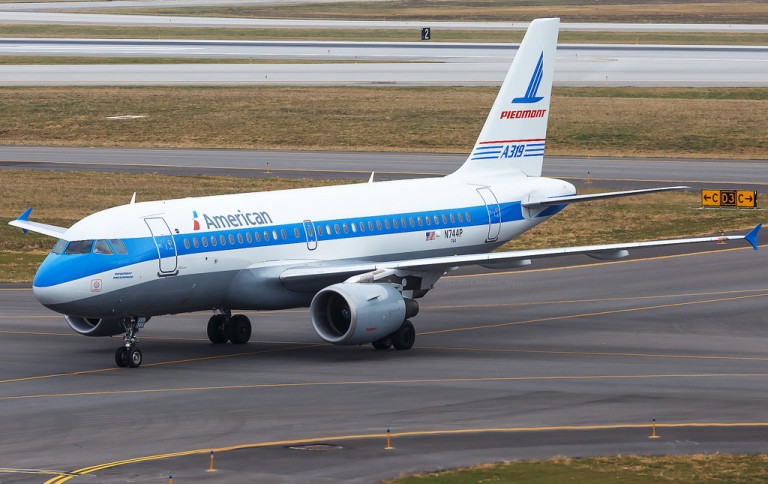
<point x="618" y="122"/>
<point x="495" y="10"/>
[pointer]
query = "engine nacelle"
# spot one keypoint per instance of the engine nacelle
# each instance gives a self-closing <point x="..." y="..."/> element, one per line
<point x="95" y="326"/>
<point x="353" y="314"/>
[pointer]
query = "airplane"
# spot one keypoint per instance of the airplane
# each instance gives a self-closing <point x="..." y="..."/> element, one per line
<point x="359" y="255"/>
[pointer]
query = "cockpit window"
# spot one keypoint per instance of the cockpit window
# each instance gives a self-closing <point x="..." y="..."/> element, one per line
<point x="102" y="247"/>
<point x="79" y="247"/>
<point x="59" y="247"/>
<point x="119" y="246"/>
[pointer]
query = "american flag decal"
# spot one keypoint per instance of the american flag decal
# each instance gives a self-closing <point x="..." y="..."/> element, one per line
<point x="431" y="235"/>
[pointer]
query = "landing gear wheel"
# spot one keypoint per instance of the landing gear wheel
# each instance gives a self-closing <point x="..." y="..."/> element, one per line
<point x="403" y="338"/>
<point x="217" y="329"/>
<point x="383" y="343"/>
<point x="121" y="357"/>
<point x="239" y="329"/>
<point x="134" y="357"/>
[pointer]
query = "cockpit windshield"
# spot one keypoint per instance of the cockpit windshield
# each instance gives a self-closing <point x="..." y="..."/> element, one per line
<point x="79" y="247"/>
<point x="102" y="247"/>
<point x="59" y="247"/>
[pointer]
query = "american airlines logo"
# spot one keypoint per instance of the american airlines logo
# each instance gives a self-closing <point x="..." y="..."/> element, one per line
<point x="530" y="96"/>
<point x="239" y="219"/>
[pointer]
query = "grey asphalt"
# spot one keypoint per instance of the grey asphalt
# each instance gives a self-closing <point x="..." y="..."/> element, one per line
<point x="599" y="171"/>
<point x="682" y="339"/>
<point x="428" y="64"/>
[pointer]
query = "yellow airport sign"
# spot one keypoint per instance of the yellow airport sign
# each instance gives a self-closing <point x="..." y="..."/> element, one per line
<point x="729" y="198"/>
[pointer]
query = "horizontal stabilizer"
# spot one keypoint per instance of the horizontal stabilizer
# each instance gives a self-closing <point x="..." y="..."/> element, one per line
<point x="596" y="196"/>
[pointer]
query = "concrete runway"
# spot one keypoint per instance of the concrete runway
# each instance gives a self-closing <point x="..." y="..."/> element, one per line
<point x="601" y="172"/>
<point x="446" y="64"/>
<point x="573" y="360"/>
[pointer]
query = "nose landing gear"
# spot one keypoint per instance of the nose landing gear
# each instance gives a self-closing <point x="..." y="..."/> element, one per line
<point x="129" y="355"/>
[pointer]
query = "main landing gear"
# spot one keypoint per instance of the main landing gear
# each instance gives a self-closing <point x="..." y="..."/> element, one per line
<point x="129" y="355"/>
<point x="402" y="339"/>
<point x="223" y="328"/>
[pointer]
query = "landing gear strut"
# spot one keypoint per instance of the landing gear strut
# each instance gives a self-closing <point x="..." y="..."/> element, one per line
<point x="129" y="355"/>
<point x="223" y="328"/>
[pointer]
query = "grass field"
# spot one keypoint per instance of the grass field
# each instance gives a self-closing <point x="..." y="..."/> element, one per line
<point x="369" y="35"/>
<point x="700" y="468"/>
<point x="59" y="198"/>
<point x="609" y="121"/>
<point x="713" y="11"/>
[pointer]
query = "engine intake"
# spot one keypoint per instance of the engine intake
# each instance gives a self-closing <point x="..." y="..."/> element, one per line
<point x="95" y="326"/>
<point x="353" y="314"/>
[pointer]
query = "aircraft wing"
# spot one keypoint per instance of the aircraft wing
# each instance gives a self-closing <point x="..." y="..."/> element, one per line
<point x="606" y="251"/>
<point x="363" y="271"/>
<point x="50" y="230"/>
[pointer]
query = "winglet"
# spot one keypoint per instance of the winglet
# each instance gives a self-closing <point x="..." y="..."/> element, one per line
<point x="751" y="237"/>
<point x="25" y="216"/>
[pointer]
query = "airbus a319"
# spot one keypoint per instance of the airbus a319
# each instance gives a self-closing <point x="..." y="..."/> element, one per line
<point x="359" y="256"/>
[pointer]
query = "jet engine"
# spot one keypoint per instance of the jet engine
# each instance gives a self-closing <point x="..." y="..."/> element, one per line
<point x="95" y="326"/>
<point x="354" y="314"/>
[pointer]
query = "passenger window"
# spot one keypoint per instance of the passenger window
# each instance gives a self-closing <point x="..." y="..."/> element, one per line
<point x="386" y="223"/>
<point x="394" y="223"/>
<point x="266" y="236"/>
<point x="328" y="230"/>
<point x="370" y="225"/>
<point x="410" y="220"/>
<point x="445" y="219"/>
<point x="257" y="236"/>
<point x="296" y="233"/>
<point x="428" y="220"/>
<point x="337" y="229"/>
<point x="319" y="230"/>
<point x="195" y="243"/>
<point x="283" y="234"/>
<point x="248" y="237"/>
<point x="240" y="238"/>
<point x="213" y="241"/>
<point x="437" y="220"/>
<point x="59" y="247"/>
<point x="461" y="218"/>
<point x="453" y="219"/>
<point x="346" y="228"/>
<point x="354" y="227"/>
<point x="223" y="240"/>
<point x="204" y="240"/>
<point x="231" y="239"/>
<point x="378" y="224"/>
<point x="468" y="217"/>
<point x="102" y="247"/>
<point x="403" y="222"/>
<point x="119" y="246"/>
<point x="79" y="247"/>
<point x="420" y="221"/>
<point x="186" y="244"/>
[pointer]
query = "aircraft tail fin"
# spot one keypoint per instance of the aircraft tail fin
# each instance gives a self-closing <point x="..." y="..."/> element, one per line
<point x="514" y="134"/>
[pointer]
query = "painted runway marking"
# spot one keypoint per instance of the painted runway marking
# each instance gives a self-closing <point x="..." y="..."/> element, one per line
<point x="585" y="315"/>
<point x="599" y="353"/>
<point x="160" y="363"/>
<point x="259" y="386"/>
<point x="418" y="433"/>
